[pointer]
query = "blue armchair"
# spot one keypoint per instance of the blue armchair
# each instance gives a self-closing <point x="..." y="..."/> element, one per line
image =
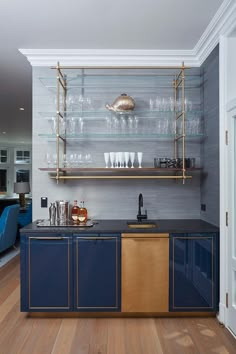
<point x="25" y="218"/>
<point x="8" y="226"/>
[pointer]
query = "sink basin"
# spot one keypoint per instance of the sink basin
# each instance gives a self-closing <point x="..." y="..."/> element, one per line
<point x="140" y="225"/>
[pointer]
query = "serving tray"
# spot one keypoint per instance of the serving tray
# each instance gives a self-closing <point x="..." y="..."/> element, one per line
<point x="58" y="223"/>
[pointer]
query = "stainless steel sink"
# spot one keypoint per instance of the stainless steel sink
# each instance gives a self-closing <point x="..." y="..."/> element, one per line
<point x="140" y="225"/>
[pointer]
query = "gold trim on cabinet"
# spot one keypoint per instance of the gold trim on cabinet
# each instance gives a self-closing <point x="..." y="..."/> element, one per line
<point x="68" y="268"/>
<point x="212" y="264"/>
<point x="77" y="273"/>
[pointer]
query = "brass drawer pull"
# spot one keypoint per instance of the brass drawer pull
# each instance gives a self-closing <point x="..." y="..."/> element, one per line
<point x="47" y="238"/>
<point x="96" y="238"/>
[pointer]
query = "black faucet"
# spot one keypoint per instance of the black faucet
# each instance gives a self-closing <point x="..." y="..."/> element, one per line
<point x="141" y="216"/>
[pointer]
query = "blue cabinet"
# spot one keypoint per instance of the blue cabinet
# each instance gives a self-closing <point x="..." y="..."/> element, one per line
<point x="194" y="272"/>
<point x="46" y="273"/>
<point x="97" y="272"/>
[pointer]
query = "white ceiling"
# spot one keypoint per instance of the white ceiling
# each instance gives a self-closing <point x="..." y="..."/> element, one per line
<point x="85" y="24"/>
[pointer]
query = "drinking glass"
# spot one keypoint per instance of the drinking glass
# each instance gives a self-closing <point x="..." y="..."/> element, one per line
<point x="126" y="154"/>
<point x="132" y="157"/>
<point x="117" y="161"/>
<point x="106" y="158"/>
<point x="130" y="124"/>
<point x="48" y="159"/>
<point x="112" y="159"/>
<point x="136" y="120"/>
<point x="53" y="124"/>
<point x="140" y="156"/>
<point x="88" y="158"/>
<point x="121" y="159"/>
<point x="81" y="125"/>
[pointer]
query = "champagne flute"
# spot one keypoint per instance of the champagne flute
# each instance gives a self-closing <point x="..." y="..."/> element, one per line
<point x="140" y="156"/>
<point x="126" y="159"/>
<point x="112" y="159"/>
<point x="132" y="157"/>
<point x="106" y="158"/>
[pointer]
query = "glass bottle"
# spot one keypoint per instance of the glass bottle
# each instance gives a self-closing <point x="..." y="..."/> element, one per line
<point x="82" y="213"/>
<point x="74" y="212"/>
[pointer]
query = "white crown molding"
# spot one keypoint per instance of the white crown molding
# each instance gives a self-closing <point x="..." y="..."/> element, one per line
<point x="108" y="57"/>
<point x="222" y="23"/>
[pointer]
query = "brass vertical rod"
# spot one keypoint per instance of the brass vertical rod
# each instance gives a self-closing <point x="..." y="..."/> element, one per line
<point x="183" y="121"/>
<point x="175" y="122"/>
<point x="58" y="119"/>
<point x="65" y="115"/>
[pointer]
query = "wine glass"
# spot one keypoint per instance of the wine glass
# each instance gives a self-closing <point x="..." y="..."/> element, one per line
<point x="140" y="156"/>
<point x="48" y="158"/>
<point x="132" y="157"/>
<point x="106" y="158"/>
<point x="126" y="154"/>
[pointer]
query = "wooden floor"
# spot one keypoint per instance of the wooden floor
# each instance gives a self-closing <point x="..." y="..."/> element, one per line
<point x="22" y="335"/>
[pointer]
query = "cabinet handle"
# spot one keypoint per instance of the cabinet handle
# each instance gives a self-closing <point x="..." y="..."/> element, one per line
<point x="47" y="238"/>
<point x="147" y="238"/>
<point x="95" y="238"/>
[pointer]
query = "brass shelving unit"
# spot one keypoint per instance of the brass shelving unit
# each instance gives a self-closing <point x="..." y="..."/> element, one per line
<point x="179" y="137"/>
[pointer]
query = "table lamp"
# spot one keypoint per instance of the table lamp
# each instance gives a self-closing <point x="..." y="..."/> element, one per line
<point x="22" y="188"/>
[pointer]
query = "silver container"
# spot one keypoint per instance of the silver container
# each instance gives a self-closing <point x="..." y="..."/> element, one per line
<point x="62" y="207"/>
<point x="52" y="213"/>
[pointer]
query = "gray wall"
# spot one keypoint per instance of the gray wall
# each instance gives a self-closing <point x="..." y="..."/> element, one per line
<point x="110" y="199"/>
<point x="210" y="146"/>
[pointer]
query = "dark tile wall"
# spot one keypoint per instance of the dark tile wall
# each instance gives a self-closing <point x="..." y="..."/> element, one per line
<point x="210" y="147"/>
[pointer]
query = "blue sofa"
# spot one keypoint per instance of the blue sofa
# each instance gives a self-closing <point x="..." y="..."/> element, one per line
<point x="8" y="226"/>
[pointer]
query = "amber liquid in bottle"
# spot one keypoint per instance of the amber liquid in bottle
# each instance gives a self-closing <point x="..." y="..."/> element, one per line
<point x="74" y="212"/>
<point x="82" y="214"/>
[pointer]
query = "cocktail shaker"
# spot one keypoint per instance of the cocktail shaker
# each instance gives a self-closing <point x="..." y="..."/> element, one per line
<point x="62" y="207"/>
<point x="52" y="213"/>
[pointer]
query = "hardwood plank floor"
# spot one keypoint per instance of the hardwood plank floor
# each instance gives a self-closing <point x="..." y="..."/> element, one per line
<point x="20" y="334"/>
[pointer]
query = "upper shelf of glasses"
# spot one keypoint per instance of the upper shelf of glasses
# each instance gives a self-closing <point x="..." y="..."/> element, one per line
<point x="117" y="78"/>
<point x="102" y="114"/>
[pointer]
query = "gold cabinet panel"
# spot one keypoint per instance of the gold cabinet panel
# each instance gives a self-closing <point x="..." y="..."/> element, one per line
<point x="145" y="273"/>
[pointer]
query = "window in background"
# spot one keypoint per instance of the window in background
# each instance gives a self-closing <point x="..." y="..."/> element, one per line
<point x="3" y="181"/>
<point x="3" y="156"/>
<point x="22" y="175"/>
<point x="22" y="156"/>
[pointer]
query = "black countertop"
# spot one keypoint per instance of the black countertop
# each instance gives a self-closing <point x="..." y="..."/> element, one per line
<point x="120" y="226"/>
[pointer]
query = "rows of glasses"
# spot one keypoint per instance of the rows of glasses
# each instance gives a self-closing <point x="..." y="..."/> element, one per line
<point x="87" y="103"/>
<point x="165" y="104"/>
<point x="126" y="125"/>
<point x="71" y="126"/>
<point x="69" y="160"/>
<point x="122" y="159"/>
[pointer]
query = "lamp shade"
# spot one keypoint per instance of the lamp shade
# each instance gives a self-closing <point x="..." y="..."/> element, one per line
<point x="21" y="187"/>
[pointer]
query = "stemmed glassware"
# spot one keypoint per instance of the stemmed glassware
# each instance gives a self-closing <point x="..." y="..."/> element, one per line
<point x="121" y="159"/>
<point x="112" y="159"/>
<point x="126" y="154"/>
<point x="132" y="157"/>
<point x="106" y="158"/>
<point x="48" y="159"/>
<point x="140" y="156"/>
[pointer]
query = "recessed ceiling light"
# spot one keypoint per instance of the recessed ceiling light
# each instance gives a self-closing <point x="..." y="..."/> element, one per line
<point x="4" y="132"/>
<point x="21" y="109"/>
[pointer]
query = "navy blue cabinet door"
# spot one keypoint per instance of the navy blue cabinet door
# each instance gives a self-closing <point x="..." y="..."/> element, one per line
<point x="97" y="273"/>
<point x="46" y="273"/>
<point x="194" y="272"/>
